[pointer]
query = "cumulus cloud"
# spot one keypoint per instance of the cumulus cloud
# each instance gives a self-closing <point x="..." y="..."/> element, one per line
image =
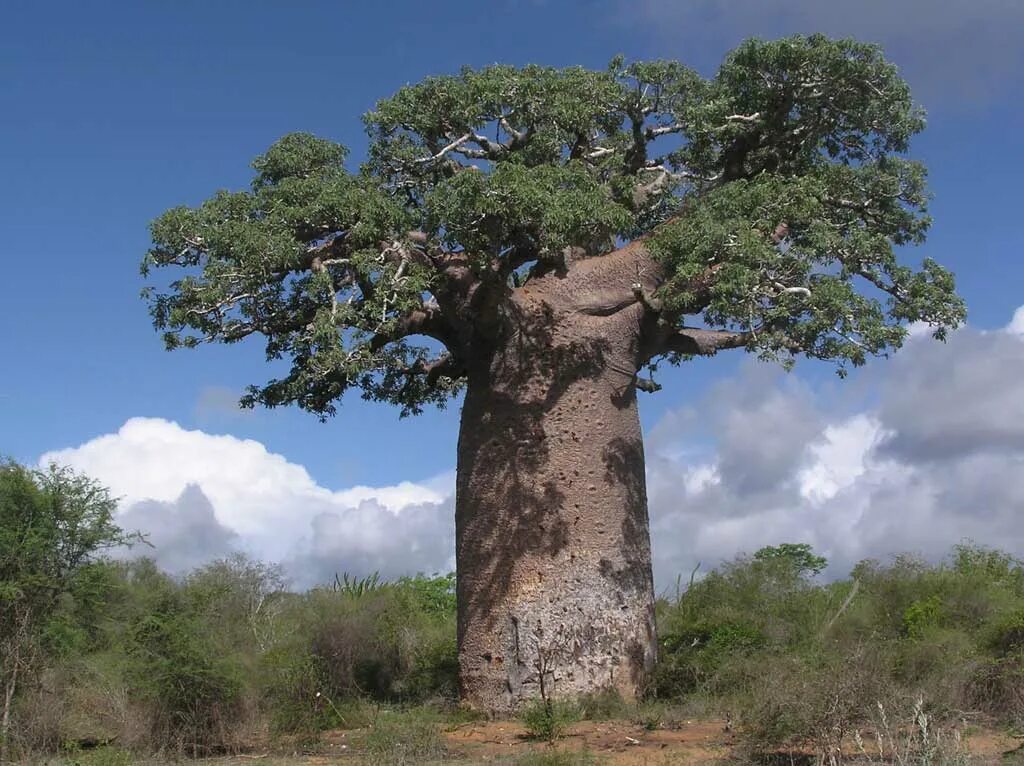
<point x="268" y="506"/>
<point x="938" y="459"/>
<point x="181" y="534"/>
<point x="371" y="537"/>
<point x="1016" y="325"/>
<point x="953" y="52"/>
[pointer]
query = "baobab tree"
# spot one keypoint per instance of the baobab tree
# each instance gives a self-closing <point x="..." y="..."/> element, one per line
<point x="540" y="238"/>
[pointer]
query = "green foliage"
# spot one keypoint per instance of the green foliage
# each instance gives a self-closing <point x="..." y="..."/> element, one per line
<point x="356" y="586"/>
<point x="434" y="595"/>
<point x="193" y="693"/>
<point x="54" y="525"/>
<point x="798" y="661"/>
<point x="774" y="195"/>
<point x="820" y="699"/>
<point x="293" y="682"/>
<point x="799" y="556"/>
<point x="712" y="633"/>
<point x="100" y="756"/>
<point x="395" y="642"/>
<point x="547" y="719"/>
<point x="922" y="615"/>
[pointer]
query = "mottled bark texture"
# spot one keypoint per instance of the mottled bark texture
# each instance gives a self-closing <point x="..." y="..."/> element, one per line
<point x="554" y="566"/>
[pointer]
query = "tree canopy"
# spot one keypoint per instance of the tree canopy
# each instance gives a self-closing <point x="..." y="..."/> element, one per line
<point x="771" y="197"/>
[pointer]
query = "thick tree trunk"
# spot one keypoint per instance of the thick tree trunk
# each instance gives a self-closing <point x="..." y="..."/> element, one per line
<point x="553" y="549"/>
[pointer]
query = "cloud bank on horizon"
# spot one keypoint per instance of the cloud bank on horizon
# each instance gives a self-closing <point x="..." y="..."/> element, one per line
<point x="935" y="458"/>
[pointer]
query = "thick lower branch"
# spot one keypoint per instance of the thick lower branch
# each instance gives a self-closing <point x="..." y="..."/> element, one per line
<point x="699" y="342"/>
<point x="427" y="320"/>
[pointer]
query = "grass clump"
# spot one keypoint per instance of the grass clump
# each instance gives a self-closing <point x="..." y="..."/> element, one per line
<point x="548" y="719"/>
<point x="408" y="738"/>
<point x="605" y="705"/>
<point x="552" y="757"/>
<point x="107" y="755"/>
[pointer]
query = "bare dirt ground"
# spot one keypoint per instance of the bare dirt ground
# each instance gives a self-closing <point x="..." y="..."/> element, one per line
<point x="609" y="743"/>
<point x="613" y="742"/>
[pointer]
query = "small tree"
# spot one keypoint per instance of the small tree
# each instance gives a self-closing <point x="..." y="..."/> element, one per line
<point x="539" y="237"/>
<point x="53" y="525"/>
<point x="799" y="557"/>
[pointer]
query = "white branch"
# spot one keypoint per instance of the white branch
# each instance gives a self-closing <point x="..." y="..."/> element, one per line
<point x="453" y="145"/>
<point x="804" y="291"/>
<point x="744" y="117"/>
<point x="662" y="130"/>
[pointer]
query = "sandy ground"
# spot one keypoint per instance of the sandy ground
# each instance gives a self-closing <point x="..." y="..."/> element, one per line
<point x="611" y="743"/>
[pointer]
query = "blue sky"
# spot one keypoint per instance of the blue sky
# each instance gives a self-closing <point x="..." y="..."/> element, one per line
<point x="115" y="111"/>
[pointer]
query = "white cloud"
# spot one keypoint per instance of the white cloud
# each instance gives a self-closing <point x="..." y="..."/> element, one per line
<point x="1016" y="325"/>
<point x="838" y="458"/>
<point x="272" y="505"/>
<point x="918" y="330"/>
<point x="180" y="535"/>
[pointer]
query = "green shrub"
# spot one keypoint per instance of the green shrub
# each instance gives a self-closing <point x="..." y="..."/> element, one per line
<point x="199" y="665"/>
<point x="100" y="756"/>
<point x="650" y="715"/>
<point x="192" y="693"/>
<point x="1006" y="635"/>
<point x="293" y="688"/>
<point x="394" y="642"/>
<point x="996" y="687"/>
<point x="604" y="705"/>
<point x="815" y="700"/>
<point x="548" y="719"/>
<point x="921" y="616"/>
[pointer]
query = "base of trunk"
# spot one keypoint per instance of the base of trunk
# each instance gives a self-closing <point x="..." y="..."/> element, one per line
<point x="562" y="640"/>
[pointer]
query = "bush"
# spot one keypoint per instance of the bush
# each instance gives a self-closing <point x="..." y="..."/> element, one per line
<point x="911" y="737"/>
<point x="191" y="691"/>
<point x="204" y="664"/>
<point x="548" y="719"/>
<point x="819" y="701"/>
<point x="604" y="705"/>
<point x="394" y="642"/>
<point x="996" y="687"/>
<point x="921" y="616"/>
<point x="100" y="756"/>
<point x="294" y="682"/>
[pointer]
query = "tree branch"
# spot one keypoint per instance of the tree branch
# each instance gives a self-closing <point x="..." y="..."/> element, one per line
<point x="698" y="342"/>
<point x="427" y="320"/>
<point x="443" y="366"/>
